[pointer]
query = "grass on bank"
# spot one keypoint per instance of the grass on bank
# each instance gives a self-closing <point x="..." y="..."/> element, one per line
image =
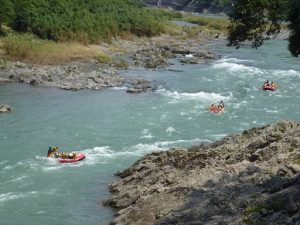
<point x="208" y="23"/>
<point x="29" y="49"/>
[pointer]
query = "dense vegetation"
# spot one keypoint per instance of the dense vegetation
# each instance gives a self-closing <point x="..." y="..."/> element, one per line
<point x="208" y="23"/>
<point x="81" y="20"/>
<point x="256" y="20"/>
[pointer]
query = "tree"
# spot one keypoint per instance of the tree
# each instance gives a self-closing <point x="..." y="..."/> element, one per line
<point x="257" y="20"/>
<point x="294" y="26"/>
<point x="6" y="12"/>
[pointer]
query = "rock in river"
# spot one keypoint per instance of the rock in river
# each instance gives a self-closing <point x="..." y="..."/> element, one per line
<point x="5" y="108"/>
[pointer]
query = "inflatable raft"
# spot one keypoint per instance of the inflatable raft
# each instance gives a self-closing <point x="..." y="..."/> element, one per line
<point x="78" y="157"/>
<point x="269" y="88"/>
<point x="216" y="110"/>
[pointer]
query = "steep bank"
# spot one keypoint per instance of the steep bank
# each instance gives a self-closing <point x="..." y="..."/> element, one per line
<point x="248" y="178"/>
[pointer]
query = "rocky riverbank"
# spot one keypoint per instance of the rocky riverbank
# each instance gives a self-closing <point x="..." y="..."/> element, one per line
<point x="248" y="178"/>
<point x="150" y="53"/>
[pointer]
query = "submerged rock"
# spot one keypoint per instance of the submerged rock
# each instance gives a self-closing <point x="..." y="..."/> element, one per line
<point x="248" y="178"/>
<point x="138" y="86"/>
<point x="5" y="108"/>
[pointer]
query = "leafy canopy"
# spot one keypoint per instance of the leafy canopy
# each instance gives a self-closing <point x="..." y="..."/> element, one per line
<point x="6" y="12"/>
<point x="257" y="20"/>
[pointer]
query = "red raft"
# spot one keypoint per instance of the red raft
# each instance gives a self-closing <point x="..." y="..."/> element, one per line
<point x="78" y="157"/>
<point x="269" y="87"/>
<point x="216" y="110"/>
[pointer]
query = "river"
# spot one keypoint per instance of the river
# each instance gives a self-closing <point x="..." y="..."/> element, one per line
<point x="113" y="128"/>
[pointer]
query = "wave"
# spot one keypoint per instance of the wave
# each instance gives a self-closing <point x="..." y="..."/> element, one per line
<point x="103" y="153"/>
<point x="147" y="134"/>
<point x="3" y="162"/>
<point x="98" y="155"/>
<point x="15" y="195"/>
<point x="236" y="60"/>
<point x="198" y="96"/>
<point x="235" y="67"/>
<point x="290" y="73"/>
<point x="170" y="130"/>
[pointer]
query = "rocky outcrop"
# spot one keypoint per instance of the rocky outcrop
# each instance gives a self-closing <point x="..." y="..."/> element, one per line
<point x="138" y="86"/>
<point x="74" y="76"/>
<point x="4" y="81"/>
<point x="248" y="178"/>
<point x="5" y="108"/>
<point x="157" y="56"/>
<point x="151" y="53"/>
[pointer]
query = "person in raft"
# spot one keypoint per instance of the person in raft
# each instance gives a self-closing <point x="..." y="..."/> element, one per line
<point x="273" y="84"/>
<point x="213" y="106"/>
<point x="221" y="106"/>
<point x="266" y="84"/>
<point x="53" y="152"/>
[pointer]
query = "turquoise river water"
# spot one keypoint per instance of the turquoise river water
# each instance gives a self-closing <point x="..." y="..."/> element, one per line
<point x="113" y="128"/>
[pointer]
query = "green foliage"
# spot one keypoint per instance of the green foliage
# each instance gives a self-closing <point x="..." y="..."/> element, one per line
<point x="30" y="49"/>
<point x="6" y="12"/>
<point x="250" y="20"/>
<point x="210" y="23"/>
<point x="256" y="20"/>
<point x="85" y="21"/>
<point x="247" y="215"/>
<point x="102" y="58"/>
<point x="3" y="64"/>
<point x="297" y="161"/>
<point x="294" y="26"/>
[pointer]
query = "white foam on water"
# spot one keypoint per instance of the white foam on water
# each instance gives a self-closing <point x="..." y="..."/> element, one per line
<point x="189" y="56"/>
<point x="226" y="59"/>
<point x="18" y="164"/>
<point x="289" y="73"/>
<point x="3" y="162"/>
<point x="271" y="111"/>
<point x="184" y="113"/>
<point x="164" y="116"/>
<point x="120" y="88"/>
<point x="17" y="179"/>
<point x="198" y="96"/>
<point x="146" y="134"/>
<point x="97" y="155"/>
<point x="170" y="130"/>
<point x="241" y="104"/>
<point x="236" y="67"/>
<point x="102" y="154"/>
<point x="142" y="149"/>
<point x="245" y="124"/>
<point x="16" y="195"/>
<point x="218" y="136"/>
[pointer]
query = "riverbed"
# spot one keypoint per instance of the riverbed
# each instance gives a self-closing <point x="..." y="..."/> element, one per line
<point x="114" y="128"/>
